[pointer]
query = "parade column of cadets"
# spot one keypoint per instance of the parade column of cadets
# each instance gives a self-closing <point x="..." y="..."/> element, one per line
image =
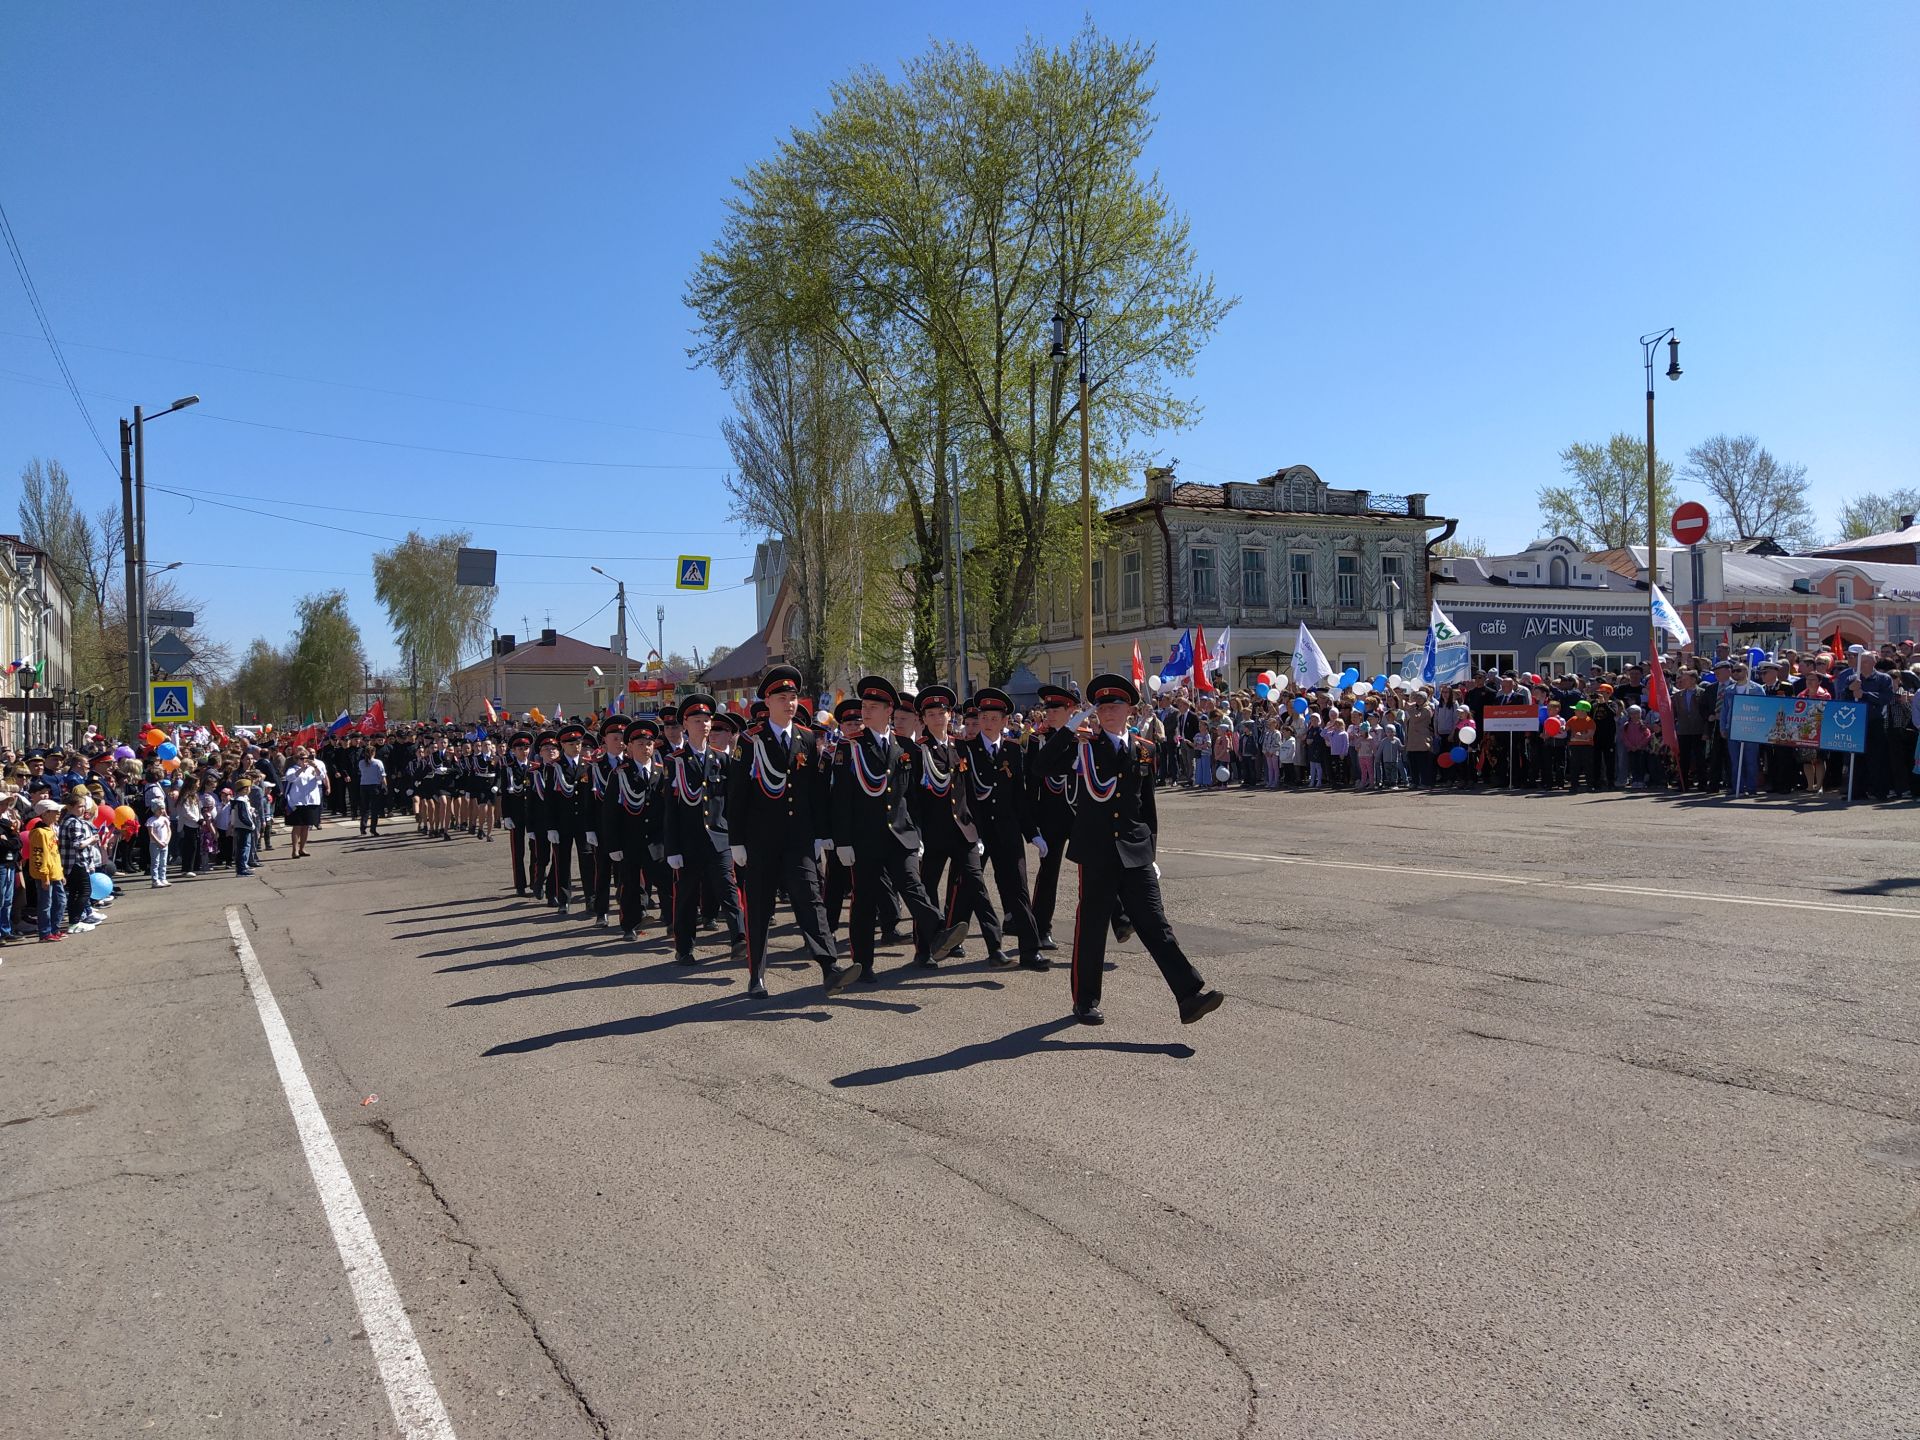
<point x="705" y="824"/>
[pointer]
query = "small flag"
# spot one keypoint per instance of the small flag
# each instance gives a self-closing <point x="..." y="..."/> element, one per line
<point x="1310" y="665"/>
<point x="1180" y="663"/>
<point x="376" y="719"/>
<point x="1139" y="670"/>
<point x="1222" y="656"/>
<point x="340" y="722"/>
<point x="493" y="716"/>
<point x="1666" y="619"/>
<point x="1660" y="701"/>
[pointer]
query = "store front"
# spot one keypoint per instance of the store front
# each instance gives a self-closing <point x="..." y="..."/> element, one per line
<point x="1552" y="639"/>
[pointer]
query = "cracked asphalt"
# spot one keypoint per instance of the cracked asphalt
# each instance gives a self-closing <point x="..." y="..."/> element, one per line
<point x="1540" y="1117"/>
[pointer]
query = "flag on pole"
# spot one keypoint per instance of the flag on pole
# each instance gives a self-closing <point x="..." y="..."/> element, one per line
<point x="1660" y="701"/>
<point x="340" y="722"/>
<point x="376" y="719"/>
<point x="1436" y="667"/>
<point x="1202" y="663"/>
<point x="1180" y="663"/>
<point x="1665" y="618"/>
<point x="1222" y="656"/>
<point x="1310" y="665"/>
<point x="1139" y="670"/>
<point x="493" y="716"/>
<point x="559" y="712"/>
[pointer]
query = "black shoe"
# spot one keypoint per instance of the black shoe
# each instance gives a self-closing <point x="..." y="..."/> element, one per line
<point x="926" y="962"/>
<point x="680" y="957"/>
<point x="947" y="942"/>
<point x="866" y="975"/>
<point x="1036" y="962"/>
<point x="1122" y="931"/>
<point x="756" y="989"/>
<point x="627" y="934"/>
<point x="999" y="959"/>
<point x="1198" y="1007"/>
<point x="1089" y="1015"/>
<point x="892" y="937"/>
<point x="737" y="950"/>
<point x="519" y="889"/>
<point x="838" y="977"/>
<point x="1047" y="942"/>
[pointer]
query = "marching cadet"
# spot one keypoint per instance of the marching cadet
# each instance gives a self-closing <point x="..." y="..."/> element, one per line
<point x="1003" y="815"/>
<point x="566" y="816"/>
<point x="670" y="729"/>
<point x="837" y="879"/>
<point x="514" y="781"/>
<point x="613" y="753"/>
<point x="539" y="812"/>
<point x="1050" y="797"/>
<point x="695" y="833"/>
<point x="1115" y="830"/>
<point x="630" y="825"/>
<point x="777" y="800"/>
<point x="943" y="814"/>
<point x="874" y="833"/>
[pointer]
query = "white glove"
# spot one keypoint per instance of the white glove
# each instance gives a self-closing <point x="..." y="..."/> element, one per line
<point x="1040" y="844"/>
<point x="506" y="822"/>
<point x="820" y="849"/>
<point x="659" y="852"/>
<point x="553" y="837"/>
<point x="980" y="847"/>
<point x="616" y="856"/>
<point x="921" y="853"/>
<point x="674" y="862"/>
<point x="845" y="852"/>
<point x="1156" y="869"/>
<point x="593" y="840"/>
<point x="739" y="854"/>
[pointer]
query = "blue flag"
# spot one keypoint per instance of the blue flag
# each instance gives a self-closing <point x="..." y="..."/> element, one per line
<point x="1179" y="664"/>
<point x="345" y="719"/>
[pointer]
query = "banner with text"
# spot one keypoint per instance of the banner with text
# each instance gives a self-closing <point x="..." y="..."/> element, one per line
<point x="1836" y="725"/>
<point x="1511" y="719"/>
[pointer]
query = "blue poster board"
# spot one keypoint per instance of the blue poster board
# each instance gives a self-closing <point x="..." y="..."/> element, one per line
<point x="1836" y="725"/>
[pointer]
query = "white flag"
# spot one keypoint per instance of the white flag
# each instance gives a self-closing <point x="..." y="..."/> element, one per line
<point x="1310" y="665"/>
<point x="1221" y="656"/>
<point x="1445" y="660"/>
<point x="1668" y="620"/>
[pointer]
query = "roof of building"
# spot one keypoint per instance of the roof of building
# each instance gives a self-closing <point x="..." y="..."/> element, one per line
<point x="566" y="653"/>
<point x="742" y="663"/>
<point x="1746" y="574"/>
<point x="1909" y="535"/>
<point x="1490" y="570"/>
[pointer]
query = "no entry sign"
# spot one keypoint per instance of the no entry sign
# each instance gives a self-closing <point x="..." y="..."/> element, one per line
<point x="1690" y="523"/>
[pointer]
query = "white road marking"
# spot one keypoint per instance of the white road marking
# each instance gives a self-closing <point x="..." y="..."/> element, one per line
<point x="403" y="1368"/>
<point x="1541" y="882"/>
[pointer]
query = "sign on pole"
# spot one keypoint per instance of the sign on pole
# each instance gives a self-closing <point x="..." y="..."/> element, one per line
<point x="170" y="699"/>
<point x="1690" y="523"/>
<point x="169" y="619"/>
<point x="170" y="653"/>
<point x="693" y="572"/>
<point x="1511" y="719"/>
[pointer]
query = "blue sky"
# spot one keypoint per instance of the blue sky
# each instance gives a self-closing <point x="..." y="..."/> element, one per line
<point x="1448" y="225"/>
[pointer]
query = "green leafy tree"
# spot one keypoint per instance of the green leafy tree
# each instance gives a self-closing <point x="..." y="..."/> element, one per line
<point x="1754" y="494"/>
<point x="1604" y="504"/>
<point x="326" y="665"/>
<point x="1877" y="513"/>
<point x="260" y="688"/>
<point x="434" y="620"/>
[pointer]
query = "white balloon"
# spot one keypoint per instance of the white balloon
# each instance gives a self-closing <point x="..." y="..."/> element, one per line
<point x="1363" y="687"/>
<point x="1153" y="683"/>
<point x="1394" y="682"/>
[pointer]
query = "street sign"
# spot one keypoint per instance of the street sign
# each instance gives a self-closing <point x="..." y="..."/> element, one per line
<point x="693" y="572"/>
<point x="1690" y="523"/>
<point x="169" y="619"/>
<point x="170" y="653"/>
<point x="475" y="567"/>
<point x="170" y="699"/>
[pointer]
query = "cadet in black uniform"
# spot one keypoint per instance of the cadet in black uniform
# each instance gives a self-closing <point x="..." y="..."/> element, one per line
<point x="1003" y="816"/>
<point x="942" y="812"/>
<point x="874" y="832"/>
<point x="630" y="823"/>
<point x="1115" y="830"/>
<point x="777" y="799"/>
<point x="600" y="773"/>
<point x="515" y="783"/>
<point x="695" y="833"/>
<point x="1051" y="799"/>
<point x="539" y="808"/>
<point x="566" y="819"/>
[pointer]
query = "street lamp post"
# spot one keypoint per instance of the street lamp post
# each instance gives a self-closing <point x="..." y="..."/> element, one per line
<point x="133" y="523"/>
<point x="1649" y="346"/>
<point x="1058" y="354"/>
<point x="620" y="631"/>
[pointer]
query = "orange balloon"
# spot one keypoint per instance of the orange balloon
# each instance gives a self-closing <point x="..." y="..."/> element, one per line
<point x="125" y="816"/>
<point x="154" y="737"/>
<point x="169" y="766"/>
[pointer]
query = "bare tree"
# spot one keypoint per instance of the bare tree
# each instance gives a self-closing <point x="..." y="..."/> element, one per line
<point x="1457" y="547"/>
<point x="1756" y="495"/>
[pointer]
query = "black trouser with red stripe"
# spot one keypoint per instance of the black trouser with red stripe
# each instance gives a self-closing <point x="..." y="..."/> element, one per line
<point x="886" y="861"/>
<point x="837" y="885"/>
<point x="705" y="868"/>
<point x="1138" y="890"/>
<point x="603" y="869"/>
<point x="966" y="897"/>
<point x="542" y="862"/>
<point x="1007" y="855"/>
<point x="560" y="873"/>
<point x="517" y="847"/>
<point x="767" y="870"/>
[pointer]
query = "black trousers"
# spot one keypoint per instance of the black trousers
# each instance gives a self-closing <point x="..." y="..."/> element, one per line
<point x="1139" y="891"/>
<point x="768" y="871"/>
<point x="886" y="861"/>
<point x="603" y="869"/>
<point x="560" y="868"/>
<point x="1007" y="857"/>
<point x="1693" y="762"/>
<point x="517" y="847"/>
<point x="629" y="873"/>
<point x="711" y="870"/>
<point x="837" y="885"/>
<point x="1046" y="879"/>
<point x="966" y="896"/>
<point x="368" y="806"/>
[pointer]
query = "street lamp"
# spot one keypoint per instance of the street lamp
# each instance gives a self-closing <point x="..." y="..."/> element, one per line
<point x="620" y="630"/>
<point x="133" y="523"/>
<point x="1649" y="348"/>
<point x="1058" y="354"/>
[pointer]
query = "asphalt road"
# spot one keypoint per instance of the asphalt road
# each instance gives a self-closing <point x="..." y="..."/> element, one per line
<point x="1531" y="1117"/>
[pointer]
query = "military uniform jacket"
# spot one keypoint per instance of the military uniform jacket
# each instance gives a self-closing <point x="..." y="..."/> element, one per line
<point x="567" y="796"/>
<point x="1114" y="823"/>
<point x="777" y="795"/>
<point x="997" y="790"/>
<point x="871" y="782"/>
<point x="1049" y="797"/>
<point x="515" y="783"/>
<point x="696" y="801"/>
<point x="633" y="811"/>
<point x="600" y="775"/>
<point x="939" y="798"/>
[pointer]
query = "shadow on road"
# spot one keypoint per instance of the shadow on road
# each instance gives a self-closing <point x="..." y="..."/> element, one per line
<point x="721" y="1008"/>
<point x="651" y="975"/>
<point x="1034" y="1040"/>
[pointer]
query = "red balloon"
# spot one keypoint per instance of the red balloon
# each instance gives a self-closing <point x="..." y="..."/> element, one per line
<point x="1446" y="760"/>
<point x="1553" y="725"/>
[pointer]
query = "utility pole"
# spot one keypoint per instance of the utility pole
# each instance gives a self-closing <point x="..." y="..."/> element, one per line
<point x="959" y="580"/>
<point x="136" y="683"/>
<point x="660" y="634"/>
<point x="621" y="633"/>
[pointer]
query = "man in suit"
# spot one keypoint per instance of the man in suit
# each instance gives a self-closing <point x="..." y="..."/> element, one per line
<point x="1003" y="816"/>
<point x="942" y="811"/>
<point x="1113" y="841"/>
<point x="874" y="833"/>
<point x="777" y="815"/>
<point x="630" y="827"/>
<point x="698" y="847"/>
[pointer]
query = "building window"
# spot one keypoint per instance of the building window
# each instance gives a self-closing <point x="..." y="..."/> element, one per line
<point x="1063" y="679"/>
<point x="1557" y="570"/>
<point x="1200" y="573"/>
<point x="1390" y="576"/>
<point x="1300" y="580"/>
<point x="1899" y="627"/>
<point x="1253" y="578"/>
<point x="1505" y="661"/>
<point x="1346" y="574"/>
<point x="1130" y="580"/>
<point x="1099" y="587"/>
<point x="1843" y="590"/>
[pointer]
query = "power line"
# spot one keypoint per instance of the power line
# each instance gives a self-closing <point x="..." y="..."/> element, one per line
<point x="46" y="329"/>
<point x="461" y="519"/>
<point x="448" y="450"/>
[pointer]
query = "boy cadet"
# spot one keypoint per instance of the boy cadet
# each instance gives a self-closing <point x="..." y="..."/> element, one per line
<point x="1003" y="814"/>
<point x="695" y="832"/>
<point x="600" y="773"/>
<point x="1113" y="840"/>
<point x="777" y="815"/>
<point x="539" y="807"/>
<point x="875" y="835"/>
<point x="516" y="798"/>
<point x="630" y="824"/>
<point x="567" y="816"/>
<point x="942" y="812"/>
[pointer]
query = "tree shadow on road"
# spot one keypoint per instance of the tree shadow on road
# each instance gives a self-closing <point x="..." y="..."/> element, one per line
<point x="1034" y="1040"/>
<point x="720" y="1009"/>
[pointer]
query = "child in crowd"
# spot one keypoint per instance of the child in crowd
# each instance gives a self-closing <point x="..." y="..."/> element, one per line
<point x="1636" y="737"/>
<point x="9" y="869"/>
<point x="1339" y="752"/>
<point x="1390" y="759"/>
<point x="1365" y="744"/>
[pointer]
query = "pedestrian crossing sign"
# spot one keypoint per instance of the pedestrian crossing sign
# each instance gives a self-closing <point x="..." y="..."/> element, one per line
<point x="170" y="700"/>
<point x="693" y="572"/>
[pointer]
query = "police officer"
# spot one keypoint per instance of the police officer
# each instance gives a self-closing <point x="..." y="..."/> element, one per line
<point x="777" y="815"/>
<point x="695" y="833"/>
<point x="567" y="796"/>
<point x="631" y="820"/>
<point x="600" y="773"/>
<point x="1003" y="815"/>
<point x="1115" y="830"/>
<point x="874" y="833"/>
<point x="943" y="812"/>
<point x="514" y="780"/>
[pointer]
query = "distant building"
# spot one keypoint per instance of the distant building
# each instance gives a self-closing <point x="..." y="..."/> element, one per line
<point x="37" y="626"/>
<point x="1547" y="609"/>
<point x="1892" y="547"/>
<point x="552" y="671"/>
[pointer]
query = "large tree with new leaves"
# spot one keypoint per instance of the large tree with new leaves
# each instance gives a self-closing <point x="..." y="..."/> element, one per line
<point x="327" y="664"/>
<point x="1603" y="505"/>
<point x="1877" y="512"/>
<point x="434" y="620"/>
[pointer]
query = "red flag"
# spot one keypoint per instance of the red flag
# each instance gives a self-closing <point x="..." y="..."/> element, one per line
<point x="1139" y="670"/>
<point x="493" y="715"/>
<point x="1202" y="682"/>
<point x="1839" y="650"/>
<point x="1660" y="701"/>
<point x="375" y="720"/>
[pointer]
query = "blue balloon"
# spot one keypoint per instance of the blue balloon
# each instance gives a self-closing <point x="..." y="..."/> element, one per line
<point x="100" y="885"/>
<point x="1299" y="705"/>
<point x="1380" y="682"/>
<point x="1260" y="691"/>
<point x="166" y="750"/>
<point x="1459" y="753"/>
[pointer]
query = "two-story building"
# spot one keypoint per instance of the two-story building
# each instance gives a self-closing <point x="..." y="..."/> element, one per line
<point x="1260" y="558"/>
<point x="1547" y="609"/>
